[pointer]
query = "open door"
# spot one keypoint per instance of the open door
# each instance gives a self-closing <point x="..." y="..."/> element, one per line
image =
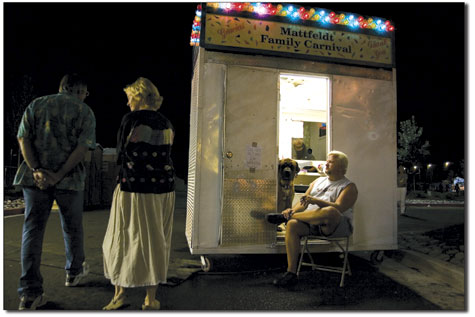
<point x="364" y="127"/>
<point x="249" y="156"/>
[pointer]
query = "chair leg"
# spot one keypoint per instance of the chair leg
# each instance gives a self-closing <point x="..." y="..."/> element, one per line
<point x="345" y="264"/>
<point x="309" y="254"/>
<point x="302" y="251"/>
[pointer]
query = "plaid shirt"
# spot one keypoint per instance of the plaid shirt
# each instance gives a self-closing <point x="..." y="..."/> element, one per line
<point x="56" y="125"/>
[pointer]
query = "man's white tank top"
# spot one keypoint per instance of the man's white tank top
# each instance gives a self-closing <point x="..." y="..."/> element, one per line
<point x="328" y="190"/>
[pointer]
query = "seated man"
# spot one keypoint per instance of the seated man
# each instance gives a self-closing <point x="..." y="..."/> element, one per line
<point x="325" y="209"/>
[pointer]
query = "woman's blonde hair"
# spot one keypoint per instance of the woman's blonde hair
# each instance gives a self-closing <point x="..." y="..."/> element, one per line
<point x="145" y="90"/>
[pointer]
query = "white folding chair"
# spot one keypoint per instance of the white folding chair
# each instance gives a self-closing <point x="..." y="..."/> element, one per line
<point x="326" y="240"/>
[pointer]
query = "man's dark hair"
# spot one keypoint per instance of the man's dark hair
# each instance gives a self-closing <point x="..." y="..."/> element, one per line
<point x="71" y="80"/>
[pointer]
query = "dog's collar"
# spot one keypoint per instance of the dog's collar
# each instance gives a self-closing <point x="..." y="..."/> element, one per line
<point x="286" y="186"/>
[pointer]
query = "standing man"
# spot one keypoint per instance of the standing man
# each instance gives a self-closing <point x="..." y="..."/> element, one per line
<point x="54" y="135"/>
<point x="401" y="188"/>
<point x="325" y="209"/>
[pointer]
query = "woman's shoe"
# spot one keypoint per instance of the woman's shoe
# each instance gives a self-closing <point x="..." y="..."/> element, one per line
<point x="154" y="306"/>
<point x="115" y="303"/>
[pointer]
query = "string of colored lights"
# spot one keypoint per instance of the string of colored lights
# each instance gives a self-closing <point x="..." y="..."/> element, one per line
<point x="196" y="28"/>
<point x="294" y="13"/>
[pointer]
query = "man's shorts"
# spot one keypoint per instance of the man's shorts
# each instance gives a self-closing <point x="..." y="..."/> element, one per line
<point x="344" y="229"/>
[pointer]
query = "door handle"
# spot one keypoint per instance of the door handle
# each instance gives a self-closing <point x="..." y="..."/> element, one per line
<point x="229" y="154"/>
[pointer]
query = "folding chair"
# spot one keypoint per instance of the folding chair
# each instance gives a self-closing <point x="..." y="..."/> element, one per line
<point x="326" y="240"/>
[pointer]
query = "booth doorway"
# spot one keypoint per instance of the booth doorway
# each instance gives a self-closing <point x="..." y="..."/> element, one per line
<point x="303" y="119"/>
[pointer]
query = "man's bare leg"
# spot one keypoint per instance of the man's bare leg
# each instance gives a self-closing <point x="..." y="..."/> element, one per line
<point x="294" y="230"/>
<point x="329" y="217"/>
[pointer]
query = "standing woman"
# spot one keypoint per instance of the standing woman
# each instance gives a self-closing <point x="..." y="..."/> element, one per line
<point x="137" y="242"/>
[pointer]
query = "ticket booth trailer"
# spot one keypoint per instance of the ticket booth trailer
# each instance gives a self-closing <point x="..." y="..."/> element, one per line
<point x="265" y="78"/>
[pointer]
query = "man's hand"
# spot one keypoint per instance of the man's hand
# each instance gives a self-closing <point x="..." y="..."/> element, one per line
<point x="51" y="177"/>
<point x="306" y="200"/>
<point x="41" y="180"/>
<point x="288" y="213"/>
<point x="45" y="178"/>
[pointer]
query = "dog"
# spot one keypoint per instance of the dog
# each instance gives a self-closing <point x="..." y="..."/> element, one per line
<point x="288" y="169"/>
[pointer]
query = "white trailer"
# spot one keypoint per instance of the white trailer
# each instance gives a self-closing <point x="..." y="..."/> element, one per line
<point x="250" y="103"/>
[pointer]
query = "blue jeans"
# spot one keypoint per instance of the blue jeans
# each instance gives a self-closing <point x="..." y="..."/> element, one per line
<point x="38" y="204"/>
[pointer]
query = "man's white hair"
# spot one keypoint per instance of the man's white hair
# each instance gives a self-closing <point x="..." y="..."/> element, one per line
<point x="342" y="158"/>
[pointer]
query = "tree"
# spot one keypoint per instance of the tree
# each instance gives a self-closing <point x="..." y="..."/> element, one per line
<point x="411" y="150"/>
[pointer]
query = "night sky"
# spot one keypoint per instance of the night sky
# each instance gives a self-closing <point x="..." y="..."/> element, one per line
<point x="115" y="43"/>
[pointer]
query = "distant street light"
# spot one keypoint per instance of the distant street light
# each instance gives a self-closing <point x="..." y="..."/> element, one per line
<point x="430" y="174"/>
<point x="414" y="172"/>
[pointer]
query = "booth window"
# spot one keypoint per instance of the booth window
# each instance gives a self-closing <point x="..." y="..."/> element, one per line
<point x="303" y="116"/>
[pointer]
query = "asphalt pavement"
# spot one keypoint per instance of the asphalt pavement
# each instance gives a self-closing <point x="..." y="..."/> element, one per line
<point x="237" y="283"/>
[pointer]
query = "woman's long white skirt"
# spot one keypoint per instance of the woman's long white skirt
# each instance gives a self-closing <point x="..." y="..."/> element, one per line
<point x="137" y="242"/>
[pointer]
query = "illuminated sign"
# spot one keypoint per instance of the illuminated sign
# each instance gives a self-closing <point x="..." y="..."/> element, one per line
<point x="237" y="32"/>
<point x="313" y="34"/>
